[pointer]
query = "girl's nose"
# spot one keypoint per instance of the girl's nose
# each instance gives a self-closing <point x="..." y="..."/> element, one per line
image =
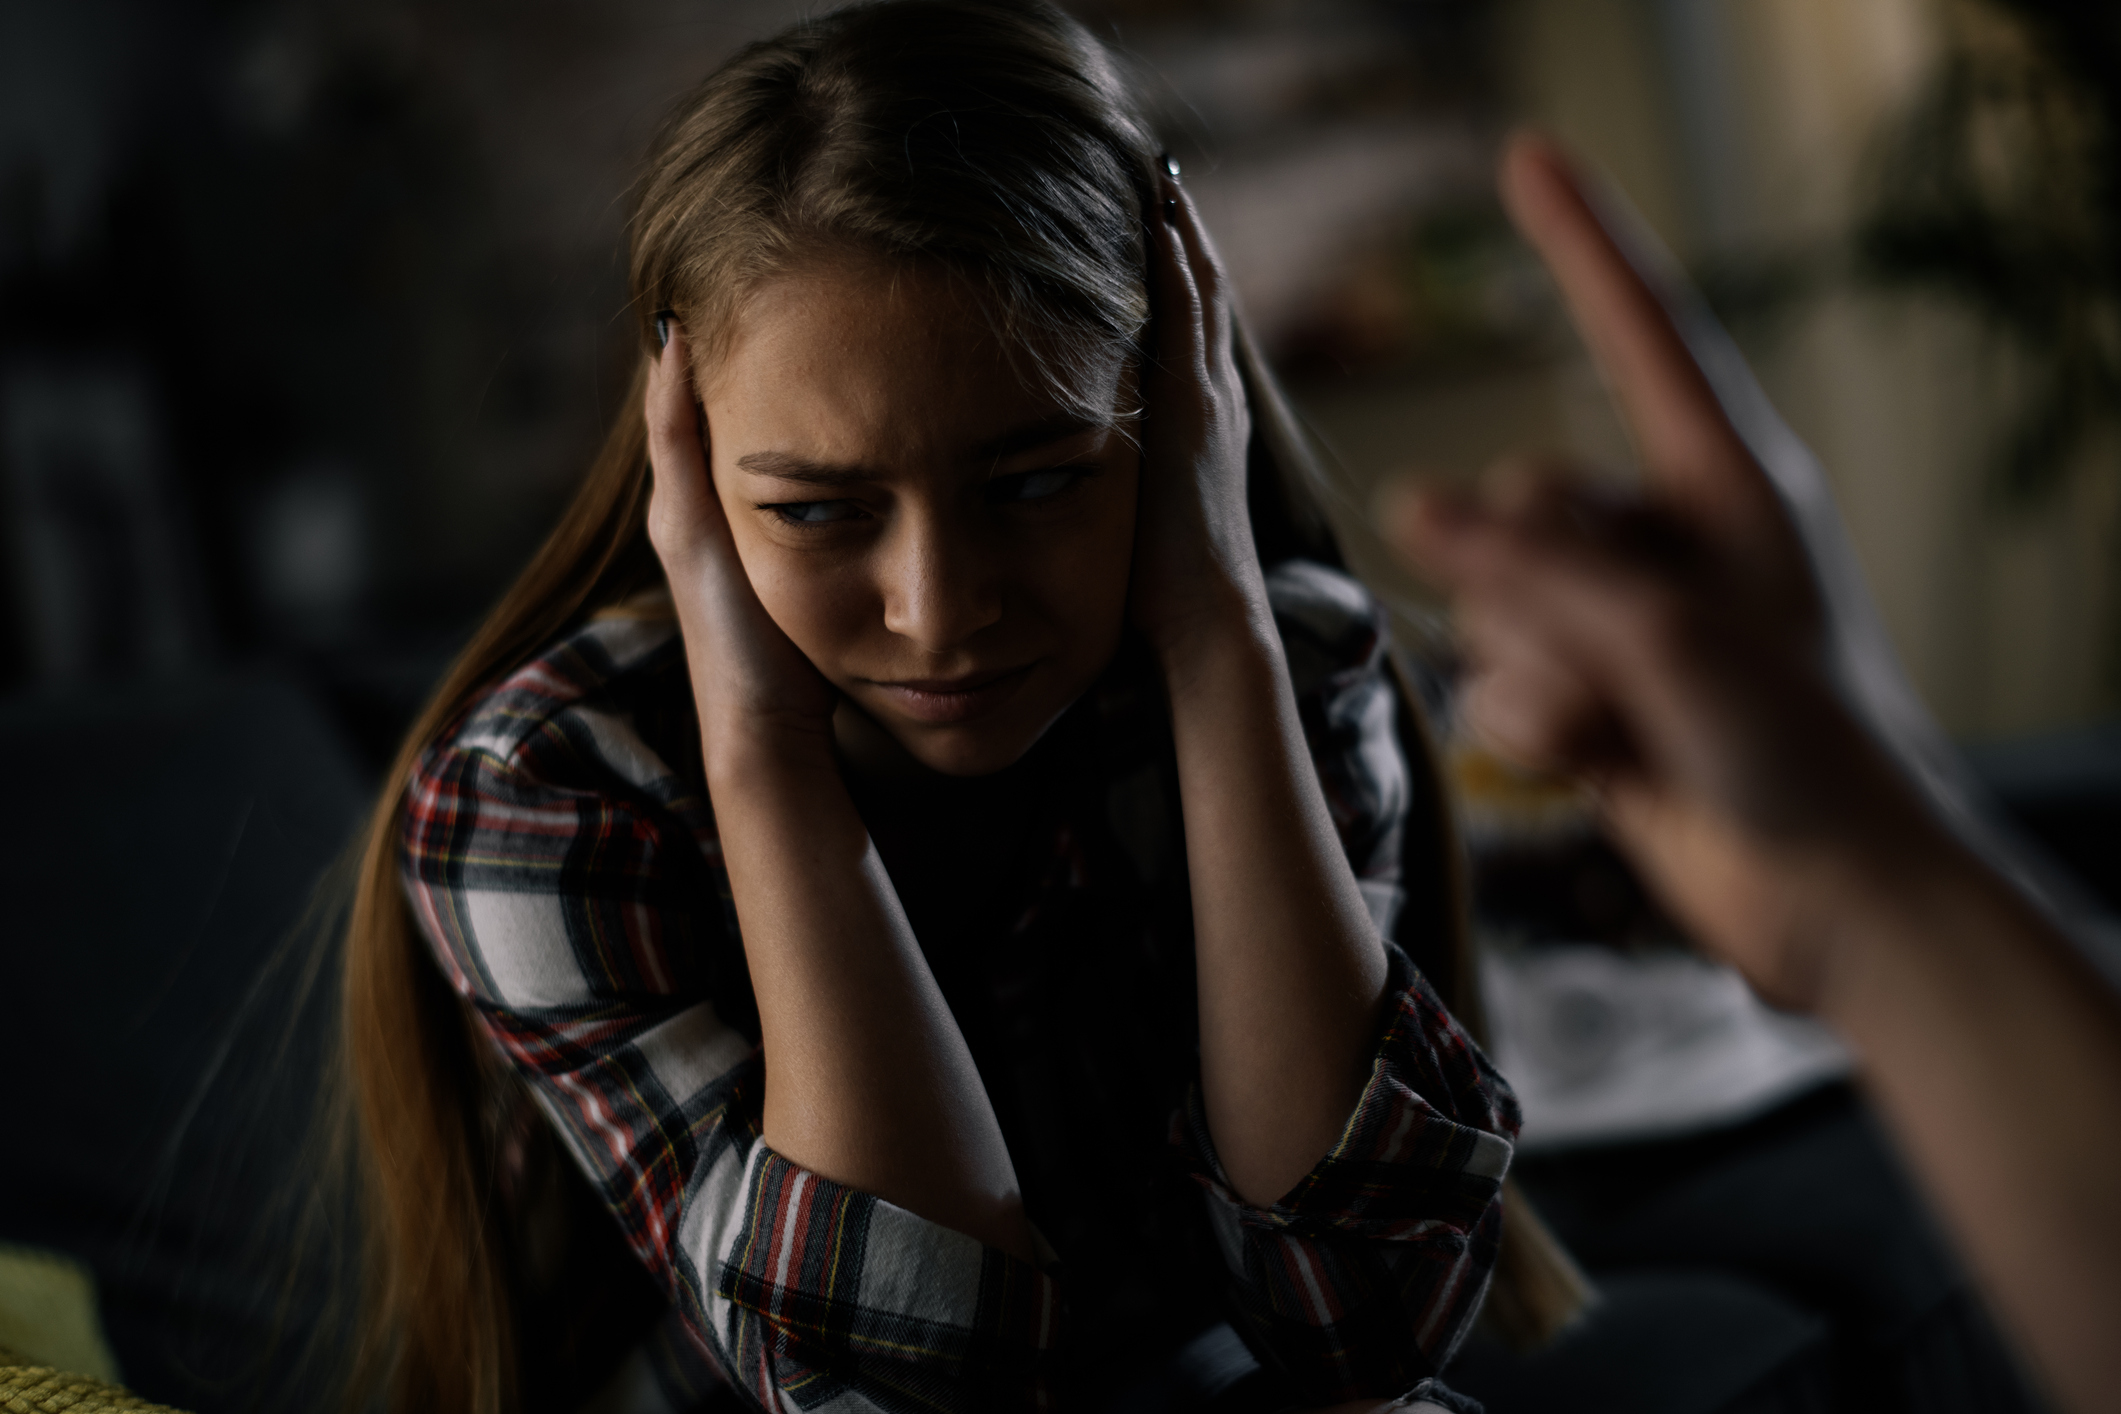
<point x="939" y="588"/>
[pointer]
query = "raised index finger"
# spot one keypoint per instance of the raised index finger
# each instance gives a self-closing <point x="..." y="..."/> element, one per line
<point x="1688" y="446"/>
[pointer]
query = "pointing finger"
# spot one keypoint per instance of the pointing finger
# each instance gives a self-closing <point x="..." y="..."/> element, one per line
<point x="1688" y="446"/>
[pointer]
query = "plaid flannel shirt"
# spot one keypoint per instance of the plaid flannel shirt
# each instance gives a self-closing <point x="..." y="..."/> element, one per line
<point x="560" y="854"/>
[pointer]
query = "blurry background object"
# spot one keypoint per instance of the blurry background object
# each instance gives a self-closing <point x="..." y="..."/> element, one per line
<point x="48" y="1303"/>
<point x="108" y="574"/>
<point x="168" y="1021"/>
<point x="1608" y="1026"/>
<point x="311" y="312"/>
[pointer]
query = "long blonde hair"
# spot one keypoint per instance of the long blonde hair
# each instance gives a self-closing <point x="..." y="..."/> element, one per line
<point x="999" y="140"/>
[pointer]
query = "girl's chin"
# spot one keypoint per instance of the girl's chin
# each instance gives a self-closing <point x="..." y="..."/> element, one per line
<point x="978" y="749"/>
<point x="879" y="743"/>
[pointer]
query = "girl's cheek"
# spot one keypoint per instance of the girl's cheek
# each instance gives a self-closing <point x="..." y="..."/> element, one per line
<point x="839" y="613"/>
<point x="1084" y="585"/>
<point x="787" y="593"/>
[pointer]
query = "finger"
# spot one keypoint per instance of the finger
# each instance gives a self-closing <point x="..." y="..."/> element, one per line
<point x="1598" y="519"/>
<point x="1206" y="270"/>
<point x="1526" y="488"/>
<point x="1180" y="347"/>
<point x="1541" y="491"/>
<point x="1537" y="583"/>
<point x="1518" y="553"/>
<point x="676" y="453"/>
<point x="1688" y="446"/>
<point x="1431" y="527"/>
<point x="684" y="509"/>
<point x="1529" y="718"/>
<point x="1532" y="700"/>
<point x="1520" y="699"/>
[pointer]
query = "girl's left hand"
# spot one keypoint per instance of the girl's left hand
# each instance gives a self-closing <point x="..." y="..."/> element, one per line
<point x="1196" y="573"/>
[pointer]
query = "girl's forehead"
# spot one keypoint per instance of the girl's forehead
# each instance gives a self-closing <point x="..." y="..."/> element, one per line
<point x="881" y="353"/>
<point x="893" y="305"/>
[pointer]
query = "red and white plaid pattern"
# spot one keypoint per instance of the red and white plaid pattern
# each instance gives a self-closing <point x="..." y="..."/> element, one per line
<point x="561" y="857"/>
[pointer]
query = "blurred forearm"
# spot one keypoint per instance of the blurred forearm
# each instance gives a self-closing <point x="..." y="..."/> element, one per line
<point x="1993" y="1051"/>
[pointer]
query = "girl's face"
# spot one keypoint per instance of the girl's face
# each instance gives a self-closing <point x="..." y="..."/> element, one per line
<point x="946" y="541"/>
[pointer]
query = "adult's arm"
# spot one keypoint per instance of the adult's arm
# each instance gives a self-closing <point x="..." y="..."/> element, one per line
<point x="1668" y="642"/>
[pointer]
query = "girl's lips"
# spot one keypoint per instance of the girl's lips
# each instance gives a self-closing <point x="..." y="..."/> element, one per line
<point x="947" y="701"/>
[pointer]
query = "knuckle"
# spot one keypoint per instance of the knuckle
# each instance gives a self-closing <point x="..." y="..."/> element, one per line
<point x="1517" y="717"/>
<point x="660" y="530"/>
<point x="1660" y="620"/>
<point x="670" y="528"/>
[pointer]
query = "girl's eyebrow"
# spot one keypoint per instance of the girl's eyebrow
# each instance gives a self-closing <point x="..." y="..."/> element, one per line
<point x="786" y="466"/>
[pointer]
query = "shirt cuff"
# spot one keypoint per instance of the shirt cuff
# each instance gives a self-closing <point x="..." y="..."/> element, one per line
<point x="1366" y="1275"/>
<point x="845" y="1273"/>
<point x="1427" y="1143"/>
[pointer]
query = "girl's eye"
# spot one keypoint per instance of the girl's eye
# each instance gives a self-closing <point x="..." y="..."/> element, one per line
<point x="1035" y="485"/>
<point x="814" y="512"/>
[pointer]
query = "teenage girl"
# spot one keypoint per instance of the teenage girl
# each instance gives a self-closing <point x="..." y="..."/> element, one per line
<point x="899" y="907"/>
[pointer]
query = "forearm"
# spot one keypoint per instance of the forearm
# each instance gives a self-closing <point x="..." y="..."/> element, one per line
<point x="869" y="1081"/>
<point x="1291" y="971"/>
<point x="1993" y="1051"/>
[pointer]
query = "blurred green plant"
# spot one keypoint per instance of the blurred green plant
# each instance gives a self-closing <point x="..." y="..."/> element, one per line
<point x="1998" y="188"/>
<point x="1444" y="289"/>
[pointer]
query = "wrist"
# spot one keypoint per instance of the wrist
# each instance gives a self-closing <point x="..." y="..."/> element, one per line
<point x="748" y="758"/>
<point x="1809" y="918"/>
<point x="1873" y="908"/>
<point x="1229" y="629"/>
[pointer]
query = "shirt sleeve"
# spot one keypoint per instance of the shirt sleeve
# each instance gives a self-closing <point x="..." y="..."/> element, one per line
<point x="1366" y="1275"/>
<point x="573" y="912"/>
<point x="1334" y="639"/>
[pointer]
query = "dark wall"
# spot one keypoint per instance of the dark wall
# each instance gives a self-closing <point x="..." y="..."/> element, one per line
<point x="309" y="313"/>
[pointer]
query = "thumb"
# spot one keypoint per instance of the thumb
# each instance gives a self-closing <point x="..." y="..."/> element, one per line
<point x="1430" y="525"/>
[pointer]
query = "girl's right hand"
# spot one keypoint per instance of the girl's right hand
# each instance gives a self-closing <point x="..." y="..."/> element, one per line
<point x="761" y="702"/>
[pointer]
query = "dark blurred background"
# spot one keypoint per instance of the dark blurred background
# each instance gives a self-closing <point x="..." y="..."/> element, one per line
<point x="309" y="316"/>
<point x="313" y="311"/>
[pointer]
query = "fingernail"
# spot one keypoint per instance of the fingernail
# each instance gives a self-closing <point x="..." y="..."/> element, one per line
<point x="1442" y="510"/>
<point x="1170" y="166"/>
<point x="1170" y="211"/>
<point x="1406" y="510"/>
<point x="1394" y="506"/>
<point x="662" y="329"/>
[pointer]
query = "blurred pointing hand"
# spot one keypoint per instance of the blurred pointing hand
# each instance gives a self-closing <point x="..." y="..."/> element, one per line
<point x="1664" y="642"/>
<point x="1667" y="644"/>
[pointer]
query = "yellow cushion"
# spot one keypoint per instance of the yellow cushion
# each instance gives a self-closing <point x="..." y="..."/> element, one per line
<point x="39" y="1389"/>
<point x="48" y="1312"/>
